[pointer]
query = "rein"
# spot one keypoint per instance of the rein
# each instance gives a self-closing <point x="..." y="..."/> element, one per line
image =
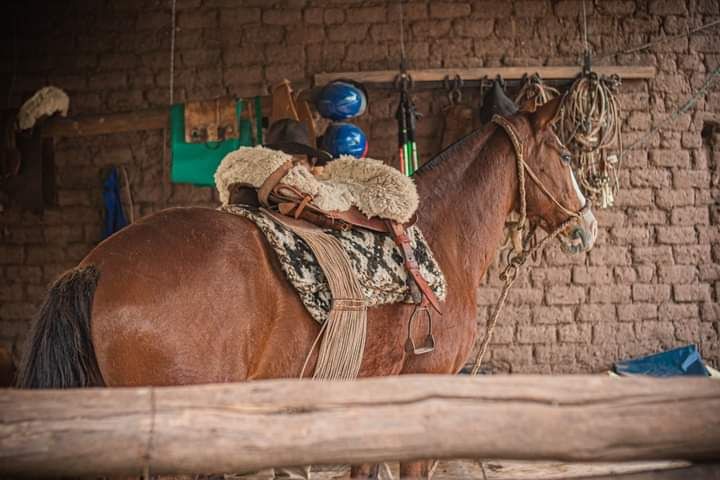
<point x="520" y="242"/>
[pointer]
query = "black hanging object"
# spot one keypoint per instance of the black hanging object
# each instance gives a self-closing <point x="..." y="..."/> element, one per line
<point x="496" y="102"/>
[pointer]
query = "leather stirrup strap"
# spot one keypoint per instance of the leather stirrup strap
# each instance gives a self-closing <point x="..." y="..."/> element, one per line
<point x="271" y="182"/>
<point x="403" y="241"/>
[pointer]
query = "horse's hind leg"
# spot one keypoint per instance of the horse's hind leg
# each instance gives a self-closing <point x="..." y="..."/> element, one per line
<point x="364" y="471"/>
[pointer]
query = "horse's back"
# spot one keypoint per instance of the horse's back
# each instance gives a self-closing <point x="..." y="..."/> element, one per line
<point x="187" y="295"/>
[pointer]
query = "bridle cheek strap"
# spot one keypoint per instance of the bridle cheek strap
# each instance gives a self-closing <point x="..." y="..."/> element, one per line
<point x="522" y="167"/>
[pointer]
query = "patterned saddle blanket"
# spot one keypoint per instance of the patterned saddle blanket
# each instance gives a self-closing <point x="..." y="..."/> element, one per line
<point x="376" y="261"/>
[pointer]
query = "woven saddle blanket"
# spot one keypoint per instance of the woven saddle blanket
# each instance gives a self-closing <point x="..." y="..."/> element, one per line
<point x="376" y="261"/>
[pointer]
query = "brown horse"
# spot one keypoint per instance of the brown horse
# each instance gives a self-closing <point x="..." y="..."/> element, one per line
<point x="193" y="295"/>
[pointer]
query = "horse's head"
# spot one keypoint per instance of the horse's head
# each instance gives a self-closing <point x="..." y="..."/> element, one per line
<point x="553" y="195"/>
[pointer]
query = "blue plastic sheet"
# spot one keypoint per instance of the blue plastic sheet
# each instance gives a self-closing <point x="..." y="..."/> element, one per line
<point x="679" y="361"/>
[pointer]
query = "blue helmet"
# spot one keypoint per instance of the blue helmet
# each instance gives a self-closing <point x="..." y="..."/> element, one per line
<point x="341" y="100"/>
<point x="345" y="139"/>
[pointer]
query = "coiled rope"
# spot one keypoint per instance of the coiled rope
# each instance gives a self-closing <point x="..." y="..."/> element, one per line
<point x="589" y="126"/>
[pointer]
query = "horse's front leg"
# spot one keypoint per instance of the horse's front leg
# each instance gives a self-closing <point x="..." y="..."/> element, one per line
<point x="420" y="469"/>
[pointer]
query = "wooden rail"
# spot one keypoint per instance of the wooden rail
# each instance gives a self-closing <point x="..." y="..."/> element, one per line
<point x="508" y="73"/>
<point x="242" y="427"/>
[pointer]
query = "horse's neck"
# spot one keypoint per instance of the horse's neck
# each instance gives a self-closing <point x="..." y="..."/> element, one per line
<point x="465" y="202"/>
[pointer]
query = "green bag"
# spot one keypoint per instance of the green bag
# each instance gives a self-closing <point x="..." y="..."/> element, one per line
<point x="196" y="163"/>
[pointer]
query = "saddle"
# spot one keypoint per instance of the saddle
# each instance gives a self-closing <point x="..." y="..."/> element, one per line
<point x="288" y="201"/>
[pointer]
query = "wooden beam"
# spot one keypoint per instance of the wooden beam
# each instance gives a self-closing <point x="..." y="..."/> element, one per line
<point x="242" y="427"/>
<point x="85" y="125"/>
<point x="508" y="73"/>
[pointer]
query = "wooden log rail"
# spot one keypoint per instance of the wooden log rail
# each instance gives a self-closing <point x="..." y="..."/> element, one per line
<point x="243" y="427"/>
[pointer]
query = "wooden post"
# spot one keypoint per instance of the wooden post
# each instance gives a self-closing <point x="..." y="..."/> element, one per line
<point x="242" y="427"/>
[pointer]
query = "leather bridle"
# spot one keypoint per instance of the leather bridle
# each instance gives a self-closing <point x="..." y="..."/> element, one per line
<point x="520" y="231"/>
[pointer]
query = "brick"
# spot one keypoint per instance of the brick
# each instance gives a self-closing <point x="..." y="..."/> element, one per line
<point x="690" y="216"/>
<point x="618" y="7"/>
<point x="366" y="15"/>
<point x="564" y="295"/>
<point x="532" y="8"/>
<point x="663" y="332"/>
<point x="63" y="234"/>
<point x="691" y="178"/>
<point x="670" y="312"/>
<point x="709" y="273"/>
<point x="473" y="27"/>
<point x="691" y="293"/>
<point x="513" y="354"/>
<point x="655" y="254"/>
<point x="575" y="333"/>
<point x="592" y="276"/>
<point x="232" y="17"/>
<point x="536" y="334"/>
<point x="710" y="312"/>
<point x="491" y="9"/>
<point x="525" y="296"/>
<point x="550" y="276"/>
<point x="676" y="235"/>
<point x="610" y="294"/>
<point x="655" y="178"/>
<point x="487" y="296"/>
<point x="691" y="254"/>
<point x="610" y="255"/>
<point x="679" y="274"/>
<point x="650" y="293"/>
<point x="347" y="33"/>
<point x="431" y="28"/>
<point x="17" y="310"/>
<point x="572" y="8"/>
<point x="596" y="313"/>
<point x="197" y="19"/>
<point x="637" y="311"/>
<point x="555" y="354"/>
<point x="11" y="255"/>
<point x="26" y="273"/>
<point x="543" y="314"/>
<point x="360" y="52"/>
<point x="13" y="292"/>
<point x="688" y="330"/>
<point x="632" y="235"/>
<point x="634" y="197"/>
<point x="674" y="198"/>
<point x="281" y="17"/>
<point x="647" y="216"/>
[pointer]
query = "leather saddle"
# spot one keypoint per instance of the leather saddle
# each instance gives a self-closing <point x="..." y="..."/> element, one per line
<point x="290" y="202"/>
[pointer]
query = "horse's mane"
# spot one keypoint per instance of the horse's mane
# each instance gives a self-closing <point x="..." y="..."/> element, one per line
<point x="452" y="149"/>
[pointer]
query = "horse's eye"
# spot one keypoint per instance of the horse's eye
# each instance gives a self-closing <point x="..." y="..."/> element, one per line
<point x="566" y="157"/>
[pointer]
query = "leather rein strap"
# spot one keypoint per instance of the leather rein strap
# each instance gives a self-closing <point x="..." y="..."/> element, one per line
<point x="517" y="258"/>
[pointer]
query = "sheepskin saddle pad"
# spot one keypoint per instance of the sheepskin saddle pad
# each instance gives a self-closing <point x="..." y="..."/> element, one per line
<point x="376" y="189"/>
<point x="376" y="261"/>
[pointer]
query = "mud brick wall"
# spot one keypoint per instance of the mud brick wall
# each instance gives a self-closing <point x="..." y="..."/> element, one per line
<point x="651" y="282"/>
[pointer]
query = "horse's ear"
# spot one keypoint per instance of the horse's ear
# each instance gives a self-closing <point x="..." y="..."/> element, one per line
<point x="546" y="114"/>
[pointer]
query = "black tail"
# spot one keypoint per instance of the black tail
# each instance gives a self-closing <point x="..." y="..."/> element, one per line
<point x="59" y="352"/>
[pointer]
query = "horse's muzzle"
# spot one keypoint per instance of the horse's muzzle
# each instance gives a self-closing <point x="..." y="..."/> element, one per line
<point x="580" y="237"/>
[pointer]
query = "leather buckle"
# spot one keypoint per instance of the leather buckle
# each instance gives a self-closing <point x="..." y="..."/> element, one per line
<point x="428" y="344"/>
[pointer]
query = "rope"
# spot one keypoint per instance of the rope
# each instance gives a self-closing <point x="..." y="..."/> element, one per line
<point x="172" y="55"/>
<point x="131" y="205"/>
<point x="402" y="37"/>
<point x="585" y="29"/>
<point x="589" y="126"/>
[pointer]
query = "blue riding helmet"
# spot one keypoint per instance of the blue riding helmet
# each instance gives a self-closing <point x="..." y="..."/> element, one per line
<point x="344" y="139"/>
<point x="341" y="100"/>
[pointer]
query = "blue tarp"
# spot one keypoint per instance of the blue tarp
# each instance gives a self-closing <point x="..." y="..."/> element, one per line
<point x="679" y="361"/>
<point x="114" y="215"/>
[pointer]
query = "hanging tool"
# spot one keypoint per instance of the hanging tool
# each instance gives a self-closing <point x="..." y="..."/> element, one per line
<point x="406" y="116"/>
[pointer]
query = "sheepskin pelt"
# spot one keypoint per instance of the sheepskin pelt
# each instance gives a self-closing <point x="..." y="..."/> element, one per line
<point x="45" y="102"/>
<point x="374" y="188"/>
<point x="376" y="260"/>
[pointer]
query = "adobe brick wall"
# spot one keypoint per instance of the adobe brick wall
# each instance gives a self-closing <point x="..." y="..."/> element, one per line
<point x="651" y="282"/>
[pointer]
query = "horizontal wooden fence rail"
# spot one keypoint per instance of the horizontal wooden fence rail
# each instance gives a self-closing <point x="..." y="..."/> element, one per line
<point x="242" y="427"/>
